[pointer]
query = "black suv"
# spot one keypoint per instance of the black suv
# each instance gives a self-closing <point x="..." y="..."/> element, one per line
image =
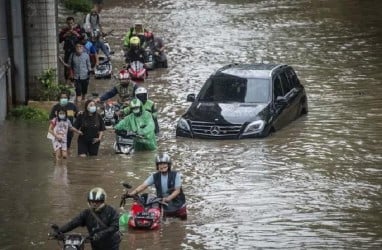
<point x="244" y="101"/>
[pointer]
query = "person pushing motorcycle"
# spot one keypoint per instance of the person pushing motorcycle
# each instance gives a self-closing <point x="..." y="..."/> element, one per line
<point x="140" y="122"/>
<point x="125" y="91"/>
<point x="101" y="221"/>
<point x="168" y="185"/>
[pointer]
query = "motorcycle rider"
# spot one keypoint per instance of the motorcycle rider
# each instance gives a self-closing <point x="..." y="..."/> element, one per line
<point x="168" y="185"/>
<point x="125" y="90"/>
<point x="99" y="44"/>
<point x="138" y="31"/>
<point x="101" y="221"/>
<point x="140" y="122"/>
<point x="148" y="105"/>
<point x="135" y="52"/>
<point x="156" y="45"/>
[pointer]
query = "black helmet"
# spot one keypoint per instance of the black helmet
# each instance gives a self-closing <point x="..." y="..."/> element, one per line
<point x="163" y="158"/>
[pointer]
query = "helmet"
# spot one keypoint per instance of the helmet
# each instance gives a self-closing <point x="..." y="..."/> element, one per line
<point x="163" y="158"/>
<point x="141" y="94"/>
<point x="124" y="76"/>
<point x="97" y="194"/>
<point x="135" y="41"/>
<point x="136" y="106"/>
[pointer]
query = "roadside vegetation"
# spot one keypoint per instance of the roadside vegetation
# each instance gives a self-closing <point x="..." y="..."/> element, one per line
<point x="48" y="90"/>
<point x="28" y="113"/>
<point x="49" y="87"/>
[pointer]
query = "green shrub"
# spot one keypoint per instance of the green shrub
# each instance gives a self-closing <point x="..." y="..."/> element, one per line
<point x="28" y="113"/>
<point x="50" y="90"/>
<point x="78" y="5"/>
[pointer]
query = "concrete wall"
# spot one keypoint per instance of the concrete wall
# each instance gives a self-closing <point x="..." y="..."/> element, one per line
<point x="28" y="47"/>
<point x="41" y="36"/>
<point x="4" y="55"/>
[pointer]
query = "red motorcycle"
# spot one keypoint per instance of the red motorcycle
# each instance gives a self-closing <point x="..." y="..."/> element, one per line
<point x="145" y="212"/>
<point x="137" y="71"/>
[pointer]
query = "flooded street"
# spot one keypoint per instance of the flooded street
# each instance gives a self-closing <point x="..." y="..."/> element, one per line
<point x="315" y="184"/>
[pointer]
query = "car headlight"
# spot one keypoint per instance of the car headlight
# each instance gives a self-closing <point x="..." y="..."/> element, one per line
<point x="183" y="124"/>
<point x="254" y="127"/>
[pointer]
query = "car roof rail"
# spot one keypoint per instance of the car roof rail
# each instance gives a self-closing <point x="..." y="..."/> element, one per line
<point x="278" y="66"/>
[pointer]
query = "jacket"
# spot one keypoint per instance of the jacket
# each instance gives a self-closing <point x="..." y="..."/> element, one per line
<point x="144" y="126"/>
<point x="179" y="200"/>
<point x="109" y="237"/>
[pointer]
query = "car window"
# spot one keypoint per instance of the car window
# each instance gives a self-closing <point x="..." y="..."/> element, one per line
<point x="277" y="87"/>
<point x="292" y="77"/>
<point x="235" y="89"/>
<point x="285" y="83"/>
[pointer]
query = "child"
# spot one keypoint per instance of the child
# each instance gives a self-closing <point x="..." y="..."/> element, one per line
<point x="59" y="128"/>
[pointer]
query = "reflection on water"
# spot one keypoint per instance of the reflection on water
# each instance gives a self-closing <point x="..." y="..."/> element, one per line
<point x="314" y="184"/>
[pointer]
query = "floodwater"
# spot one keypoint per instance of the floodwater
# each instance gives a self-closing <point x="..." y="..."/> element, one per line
<point x="315" y="184"/>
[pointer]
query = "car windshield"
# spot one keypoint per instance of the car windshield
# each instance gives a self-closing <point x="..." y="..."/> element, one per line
<point x="229" y="88"/>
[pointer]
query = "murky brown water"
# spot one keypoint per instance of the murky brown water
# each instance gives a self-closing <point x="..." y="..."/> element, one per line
<point x="316" y="184"/>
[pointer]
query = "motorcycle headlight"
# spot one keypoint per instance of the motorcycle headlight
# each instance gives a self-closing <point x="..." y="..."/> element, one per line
<point x="254" y="127"/>
<point x="124" y="150"/>
<point x="183" y="124"/>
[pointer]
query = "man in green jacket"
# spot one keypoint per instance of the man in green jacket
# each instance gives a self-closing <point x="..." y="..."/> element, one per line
<point x="147" y="104"/>
<point x="141" y="122"/>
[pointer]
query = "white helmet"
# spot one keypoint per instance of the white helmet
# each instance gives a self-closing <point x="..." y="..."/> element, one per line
<point x="141" y="94"/>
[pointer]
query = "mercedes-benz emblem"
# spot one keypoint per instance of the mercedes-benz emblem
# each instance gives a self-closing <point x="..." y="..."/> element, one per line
<point x="215" y="130"/>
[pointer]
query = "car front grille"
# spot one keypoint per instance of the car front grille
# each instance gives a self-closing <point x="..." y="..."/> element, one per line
<point x="215" y="130"/>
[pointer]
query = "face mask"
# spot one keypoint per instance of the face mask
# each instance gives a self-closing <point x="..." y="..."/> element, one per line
<point x="63" y="101"/>
<point x="61" y="116"/>
<point x="136" y="110"/>
<point x="92" y="109"/>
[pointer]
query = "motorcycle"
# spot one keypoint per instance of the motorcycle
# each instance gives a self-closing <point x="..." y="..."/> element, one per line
<point x="104" y="68"/>
<point x="124" y="142"/>
<point x="137" y="71"/>
<point x="145" y="212"/>
<point x="109" y="113"/>
<point x="72" y="241"/>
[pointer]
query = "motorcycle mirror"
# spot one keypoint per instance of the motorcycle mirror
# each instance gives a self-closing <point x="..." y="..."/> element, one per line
<point x="126" y="185"/>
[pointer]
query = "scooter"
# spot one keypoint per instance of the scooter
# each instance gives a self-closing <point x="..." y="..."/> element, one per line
<point x="109" y="113"/>
<point x="124" y="142"/>
<point x="72" y="241"/>
<point x="145" y="212"/>
<point x="137" y="71"/>
<point x="104" y="69"/>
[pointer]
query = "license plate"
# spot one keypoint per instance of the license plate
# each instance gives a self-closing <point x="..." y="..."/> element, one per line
<point x="125" y="141"/>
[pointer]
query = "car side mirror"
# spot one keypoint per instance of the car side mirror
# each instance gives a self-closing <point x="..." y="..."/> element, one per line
<point x="281" y="99"/>
<point x="191" y="97"/>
